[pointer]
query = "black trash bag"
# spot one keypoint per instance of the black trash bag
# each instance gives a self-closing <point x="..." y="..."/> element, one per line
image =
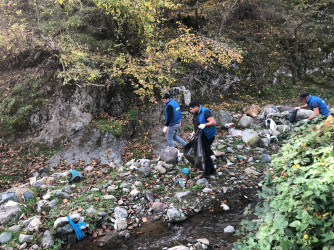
<point x="293" y="115"/>
<point x="194" y="151"/>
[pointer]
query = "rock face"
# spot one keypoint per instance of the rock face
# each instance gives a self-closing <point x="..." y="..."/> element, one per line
<point x="90" y="144"/>
<point x="72" y="110"/>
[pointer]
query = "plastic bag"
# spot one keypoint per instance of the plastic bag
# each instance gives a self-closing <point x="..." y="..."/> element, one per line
<point x="293" y="116"/>
<point x="194" y="151"/>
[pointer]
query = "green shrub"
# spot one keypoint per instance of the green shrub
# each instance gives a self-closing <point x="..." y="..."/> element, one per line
<point x="298" y="193"/>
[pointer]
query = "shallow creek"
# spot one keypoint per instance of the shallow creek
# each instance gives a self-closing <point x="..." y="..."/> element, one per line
<point x="209" y="223"/>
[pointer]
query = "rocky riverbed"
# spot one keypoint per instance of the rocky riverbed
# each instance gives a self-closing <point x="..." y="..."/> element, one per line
<point x="147" y="204"/>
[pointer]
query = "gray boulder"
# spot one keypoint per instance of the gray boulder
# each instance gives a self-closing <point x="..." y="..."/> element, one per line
<point x="25" y="238"/>
<point x="250" y="136"/>
<point x="145" y="171"/>
<point x="9" y="211"/>
<point x="120" y="213"/>
<point x="169" y="155"/>
<point x="304" y="114"/>
<point x="47" y="240"/>
<point x="222" y="117"/>
<point x="246" y="121"/>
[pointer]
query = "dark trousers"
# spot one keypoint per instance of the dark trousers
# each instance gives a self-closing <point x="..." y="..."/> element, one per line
<point x="209" y="167"/>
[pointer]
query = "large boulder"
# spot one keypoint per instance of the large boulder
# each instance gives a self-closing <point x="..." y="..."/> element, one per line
<point x="304" y="114"/>
<point x="222" y="117"/>
<point x="250" y="136"/>
<point x="234" y="132"/>
<point x="9" y="211"/>
<point x="246" y="121"/>
<point x="169" y="155"/>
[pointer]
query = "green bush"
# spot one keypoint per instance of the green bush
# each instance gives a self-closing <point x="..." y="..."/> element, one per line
<point x="298" y="193"/>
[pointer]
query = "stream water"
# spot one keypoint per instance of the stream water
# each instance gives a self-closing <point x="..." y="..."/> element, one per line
<point x="209" y="223"/>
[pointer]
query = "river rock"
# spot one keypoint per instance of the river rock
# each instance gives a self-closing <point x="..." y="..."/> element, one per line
<point x="225" y="207"/>
<point x="181" y="194"/>
<point x="145" y="171"/>
<point x="27" y="195"/>
<point x="59" y="222"/>
<point x="250" y="136"/>
<point x="5" y="237"/>
<point x="229" y="230"/>
<point x="144" y="163"/>
<point x="47" y="239"/>
<point x="9" y="195"/>
<point x="160" y="169"/>
<point x="202" y="181"/>
<point x="149" y="195"/>
<point x="120" y="225"/>
<point x="109" y="197"/>
<point x="169" y="155"/>
<point x="265" y="158"/>
<point x="120" y="213"/>
<point x="34" y="224"/>
<point x="14" y="228"/>
<point x="9" y="211"/>
<point x="19" y="191"/>
<point x="67" y="229"/>
<point x="158" y="206"/>
<point x="251" y="171"/>
<point x="25" y="238"/>
<point x="134" y="192"/>
<point x="60" y="194"/>
<point x="175" y="215"/>
<point x="246" y="121"/>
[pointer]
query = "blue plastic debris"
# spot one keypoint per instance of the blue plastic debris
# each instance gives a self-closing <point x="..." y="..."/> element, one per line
<point x="185" y="170"/>
<point x="77" y="228"/>
<point x="180" y="181"/>
<point x="75" y="176"/>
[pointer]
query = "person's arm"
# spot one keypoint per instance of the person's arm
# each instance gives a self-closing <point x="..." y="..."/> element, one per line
<point x="304" y="106"/>
<point x="169" y="115"/>
<point x="211" y="120"/>
<point x="315" y="114"/>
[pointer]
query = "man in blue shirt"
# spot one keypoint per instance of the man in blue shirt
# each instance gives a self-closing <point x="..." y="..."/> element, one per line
<point x="203" y="119"/>
<point x="173" y="120"/>
<point x="314" y="103"/>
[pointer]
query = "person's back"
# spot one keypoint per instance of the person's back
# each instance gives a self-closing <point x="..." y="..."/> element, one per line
<point x="314" y="101"/>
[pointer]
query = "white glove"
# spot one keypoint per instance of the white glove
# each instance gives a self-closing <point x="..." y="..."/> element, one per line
<point x="297" y="108"/>
<point x="201" y="126"/>
<point x="165" y="129"/>
<point x="305" y="120"/>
